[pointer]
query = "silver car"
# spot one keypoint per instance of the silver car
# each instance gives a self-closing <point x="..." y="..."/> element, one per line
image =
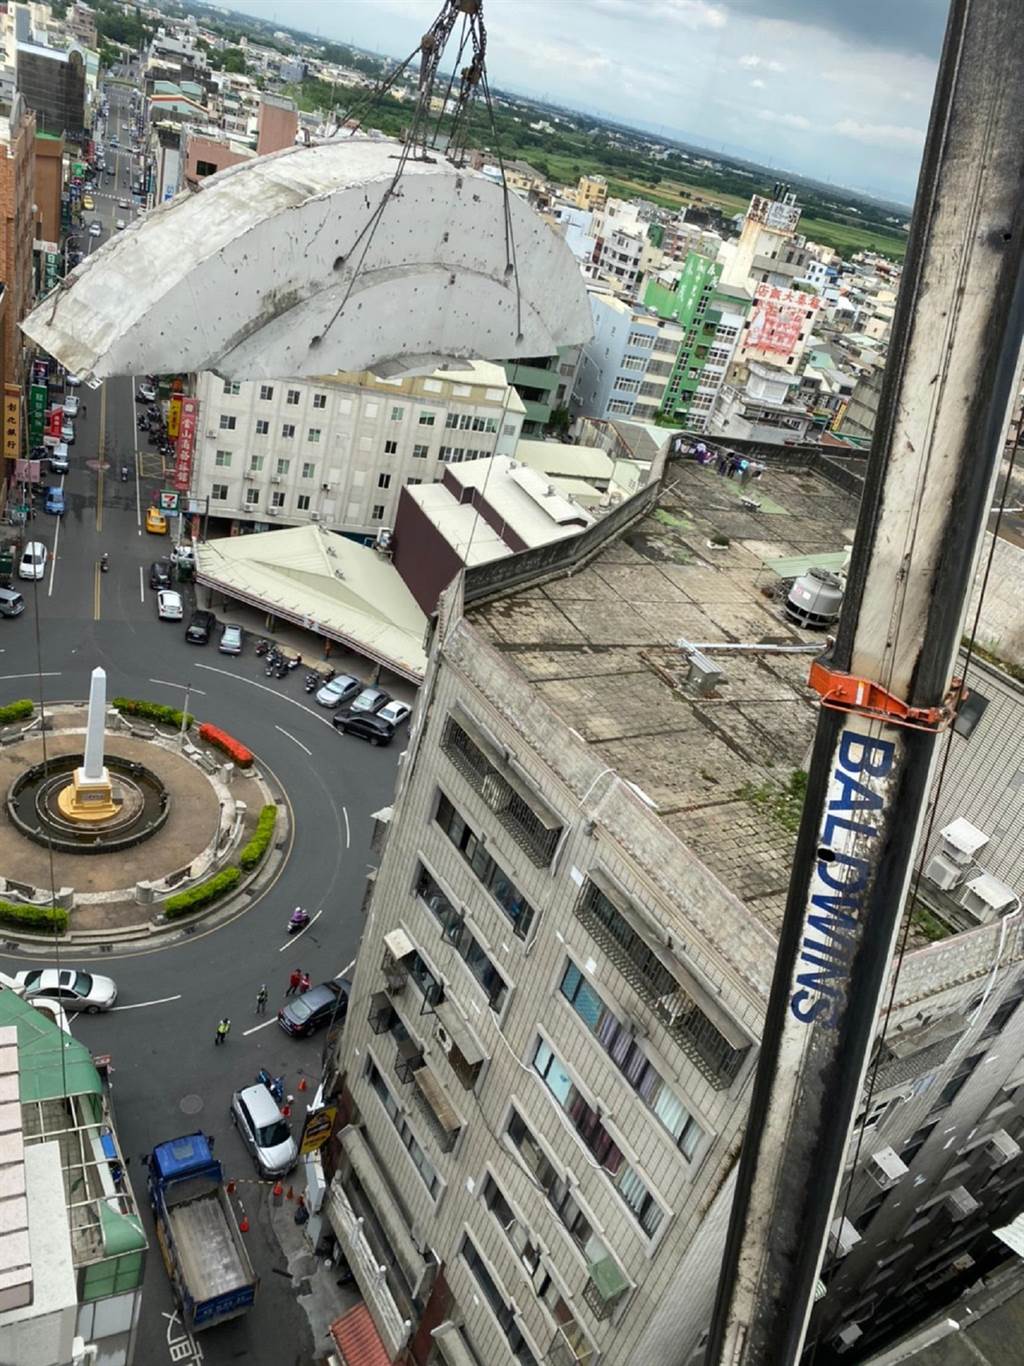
<point x="340" y="689"/>
<point x="75" y="990"/>
<point x="265" y="1131"/>
<point x="230" y="642"/>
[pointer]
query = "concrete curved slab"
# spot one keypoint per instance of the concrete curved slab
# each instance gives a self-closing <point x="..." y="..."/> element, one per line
<point x="244" y="276"/>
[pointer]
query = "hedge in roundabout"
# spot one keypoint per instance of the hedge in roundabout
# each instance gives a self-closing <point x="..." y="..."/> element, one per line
<point x="261" y="837"/>
<point x="202" y="893"/>
<point x="240" y="754"/>
<point x="33" y="917"/>
<point x="151" y="711"/>
<point x="16" y="711"/>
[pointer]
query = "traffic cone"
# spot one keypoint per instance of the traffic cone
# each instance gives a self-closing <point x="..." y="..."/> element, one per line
<point x="291" y="1193"/>
<point x="231" y="1187"/>
<point x="303" y="1085"/>
<point x="278" y="1192"/>
<point x="243" y="1226"/>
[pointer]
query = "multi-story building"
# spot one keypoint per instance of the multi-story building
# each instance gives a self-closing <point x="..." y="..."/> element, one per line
<point x="48" y="156"/>
<point x="561" y="986"/>
<point x="53" y="84"/>
<point x="857" y="421"/>
<point x="626" y="365"/>
<point x="338" y="450"/>
<point x="712" y="317"/>
<point x="73" y="1250"/>
<point x="544" y="383"/>
<point x="591" y="192"/>
<point x="17" y="233"/>
<point x="767" y="246"/>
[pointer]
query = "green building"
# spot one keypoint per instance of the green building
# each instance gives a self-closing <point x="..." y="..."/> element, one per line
<point x="544" y="384"/>
<point x="712" y="315"/>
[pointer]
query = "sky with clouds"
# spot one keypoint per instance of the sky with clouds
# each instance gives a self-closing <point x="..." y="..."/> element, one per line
<point x="837" y="89"/>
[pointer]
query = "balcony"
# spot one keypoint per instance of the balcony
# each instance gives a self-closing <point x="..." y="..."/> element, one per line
<point x="435" y="1107"/>
<point x="707" y="1047"/>
<point x="408" y="1057"/>
<point x="381" y="1015"/>
<point x="371" y="1277"/>
<point x="605" y="1287"/>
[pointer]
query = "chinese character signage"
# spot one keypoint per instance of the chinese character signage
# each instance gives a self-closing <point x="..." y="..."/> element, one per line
<point x="186" y="443"/>
<point x="174" y="418"/>
<point x="56" y="422"/>
<point x="37" y="397"/>
<point x="318" y="1129"/>
<point x="12" y="422"/>
<point x="51" y="270"/>
<point x="779" y="316"/>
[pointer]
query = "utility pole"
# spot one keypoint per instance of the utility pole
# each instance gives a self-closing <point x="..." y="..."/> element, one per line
<point x="953" y="370"/>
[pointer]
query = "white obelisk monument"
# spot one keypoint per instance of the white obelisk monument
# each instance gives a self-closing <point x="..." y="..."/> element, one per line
<point x="88" y="796"/>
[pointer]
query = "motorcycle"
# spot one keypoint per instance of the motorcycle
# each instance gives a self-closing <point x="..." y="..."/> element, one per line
<point x="271" y="667"/>
<point x="275" y="1085"/>
<point x="298" y="920"/>
<point x="262" y="646"/>
<point x="294" y="662"/>
<point x="312" y="682"/>
<point x="104" y="562"/>
<point x="282" y="669"/>
<point x="143" y="424"/>
<point x="124" y="474"/>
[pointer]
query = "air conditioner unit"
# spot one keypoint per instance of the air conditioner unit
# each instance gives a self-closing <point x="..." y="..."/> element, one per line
<point x="847" y="1338"/>
<point x="275" y="479"/>
<point x="1001" y="1148"/>
<point x="314" y="516"/>
<point x="944" y="872"/>
<point x="842" y="1238"/>
<point x="211" y="436"/>
<point x="273" y="512"/>
<point x="886" y="1168"/>
<point x="959" y="1204"/>
<point x="444" y="1040"/>
<point x="325" y="488"/>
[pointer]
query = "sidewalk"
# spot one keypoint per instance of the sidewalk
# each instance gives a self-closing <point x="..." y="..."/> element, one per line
<point x="313" y="1279"/>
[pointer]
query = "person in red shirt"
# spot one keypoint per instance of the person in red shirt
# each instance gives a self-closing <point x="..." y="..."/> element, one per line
<point x="294" y="981"/>
<point x="304" y="983"/>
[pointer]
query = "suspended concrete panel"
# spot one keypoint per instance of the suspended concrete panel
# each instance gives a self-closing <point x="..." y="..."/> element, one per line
<point x="246" y="276"/>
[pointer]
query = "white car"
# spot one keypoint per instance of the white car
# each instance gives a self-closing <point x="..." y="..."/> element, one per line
<point x="123" y="204"/>
<point x="169" y="605"/>
<point x="71" y="405"/>
<point x="95" y="229"/>
<point x="75" y="990"/>
<point x="396" y="712"/>
<point x="32" y="564"/>
<point x="59" y="462"/>
<point x="120" y="224"/>
<point x="67" y="431"/>
<point x="72" y="381"/>
<point x="147" y="393"/>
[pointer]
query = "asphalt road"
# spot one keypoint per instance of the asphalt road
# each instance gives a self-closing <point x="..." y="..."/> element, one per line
<point x="169" y="1078"/>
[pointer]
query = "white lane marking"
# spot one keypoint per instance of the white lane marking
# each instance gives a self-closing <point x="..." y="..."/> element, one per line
<point x="141" y="1005"/>
<point x="162" y="683"/>
<point x="291" y="940"/>
<point x="345" y="971"/>
<point x="142" y="594"/>
<point x="275" y="692"/>
<point x="4" y="678"/>
<point x="256" y="1028"/>
<point x="348" y="832"/>
<point x="292" y="738"/>
<point x="53" y="557"/>
<point x="135" y="438"/>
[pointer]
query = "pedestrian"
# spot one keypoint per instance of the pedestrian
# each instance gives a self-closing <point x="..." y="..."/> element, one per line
<point x="293" y="982"/>
<point x="262" y="997"/>
<point x="301" y="1215"/>
<point x="304" y="984"/>
<point x="85" y="410"/>
<point x="223" y="1030"/>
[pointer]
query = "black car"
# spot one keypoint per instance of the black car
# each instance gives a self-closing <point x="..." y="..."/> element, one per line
<point x="197" y="632"/>
<point x="366" y="726"/>
<point x="160" y="574"/>
<point x="305" y="1014"/>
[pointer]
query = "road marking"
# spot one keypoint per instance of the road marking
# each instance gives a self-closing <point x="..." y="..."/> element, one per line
<point x="6" y="678"/>
<point x="345" y="971"/>
<point x="142" y="593"/>
<point x="53" y="557"/>
<point x="275" y="692"/>
<point x="348" y="833"/>
<point x="292" y="938"/>
<point x="96" y="592"/>
<point x="141" y="1005"/>
<point x="101" y="460"/>
<point x="256" y="1028"/>
<point x="162" y="682"/>
<point x="292" y="738"/>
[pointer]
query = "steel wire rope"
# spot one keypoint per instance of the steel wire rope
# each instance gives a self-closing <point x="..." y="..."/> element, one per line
<point x="936" y="793"/>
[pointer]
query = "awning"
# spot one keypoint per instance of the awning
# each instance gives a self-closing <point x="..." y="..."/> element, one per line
<point x="458" y="1029"/>
<point x="384" y="1206"/>
<point x="357" y="1339"/>
<point x="1012" y="1235"/>
<point x="437" y="1098"/>
<point x="453" y="1346"/>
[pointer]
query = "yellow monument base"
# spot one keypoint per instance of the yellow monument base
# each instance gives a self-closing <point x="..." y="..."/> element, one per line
<point x="88" y="799"/>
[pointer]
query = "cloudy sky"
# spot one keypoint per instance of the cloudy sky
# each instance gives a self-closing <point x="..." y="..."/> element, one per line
<point x="838" y="89"/>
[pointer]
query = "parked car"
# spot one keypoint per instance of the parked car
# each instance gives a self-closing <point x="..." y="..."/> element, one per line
<point x="120" y="224"/>
<point x="369" y="700"/>
<point x="12" y="604"/>
<point x="156" y="522"/>
<point x="339" y="690"/>
<point x="71" y="405"/>
<point x="54" y="500"/>
<point x="67" y="431"/>
<point x="395" y="713"/>
<point x="305" y="1014"/>
<point x="169" y="606"/>
<point x="201" y="623"/>
<point x="71" y="381"/>
<point x="123" y="204"/>
<point x="230" y="642"/>
<point x="32" y="564"/>
<point x="160" y="574"/>
<point x="59" y="462"/>
<point x="367" y="726"/>
<point x="264" y="1130"/>
<point x="75" y="990"/>
<point x="95" y="229"/>
<point x="88" y="202"/>
<point x="145" y="394"/>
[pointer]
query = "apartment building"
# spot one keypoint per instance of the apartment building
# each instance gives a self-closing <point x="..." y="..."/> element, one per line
<point x="17" y="232"/>
<point x="545" y="384"/>
<point x="339" y="450"/>
<point x="625" y="367"/>
<point x="561" y="985"/>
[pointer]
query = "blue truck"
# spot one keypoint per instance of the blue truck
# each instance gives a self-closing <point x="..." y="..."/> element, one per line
<point x="202" y="1247"/>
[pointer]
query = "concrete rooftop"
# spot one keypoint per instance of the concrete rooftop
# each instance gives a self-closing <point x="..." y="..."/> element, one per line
<point x="600" y="648"/>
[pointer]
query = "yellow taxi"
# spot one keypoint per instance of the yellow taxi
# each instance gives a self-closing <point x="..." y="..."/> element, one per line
<point x="156" y="522"/>
<point x="88" y="202"/>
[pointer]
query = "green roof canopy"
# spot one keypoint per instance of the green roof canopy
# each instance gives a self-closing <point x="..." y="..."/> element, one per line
<point x="43" y="1075"/>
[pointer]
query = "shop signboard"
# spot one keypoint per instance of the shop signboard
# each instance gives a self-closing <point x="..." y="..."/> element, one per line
<point x="12" y="422"/>
<point x="186" y="443"/>
<point x="37" y="397"/>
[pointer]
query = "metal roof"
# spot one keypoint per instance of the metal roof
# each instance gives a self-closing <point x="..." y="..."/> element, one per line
<point x="51" y="1064"/>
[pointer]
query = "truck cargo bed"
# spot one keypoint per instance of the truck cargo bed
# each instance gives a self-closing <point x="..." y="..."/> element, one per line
<point x="211" y="1263"/>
